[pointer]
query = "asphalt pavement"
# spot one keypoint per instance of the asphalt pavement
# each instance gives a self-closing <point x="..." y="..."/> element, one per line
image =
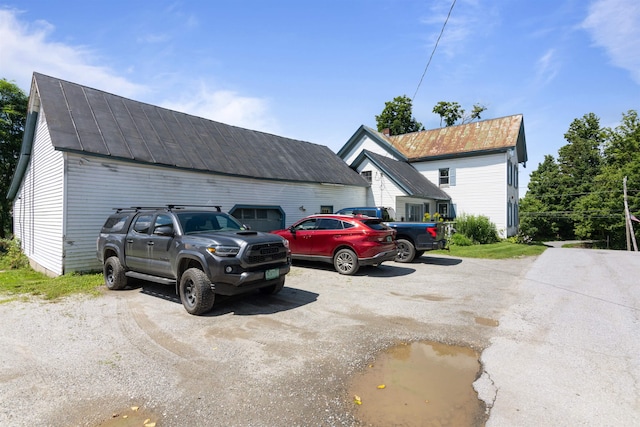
<point x="568" y="353"/>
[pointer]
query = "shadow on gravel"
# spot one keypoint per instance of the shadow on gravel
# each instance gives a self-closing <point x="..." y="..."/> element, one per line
<point x="388" y="269"/>
<point x="437" y="261"/>
<point x="251" y="303"/>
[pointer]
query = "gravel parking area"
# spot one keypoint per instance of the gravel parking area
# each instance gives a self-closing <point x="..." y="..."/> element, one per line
<point x="283" y="360"/>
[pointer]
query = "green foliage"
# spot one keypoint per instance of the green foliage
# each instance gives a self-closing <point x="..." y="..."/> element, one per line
<point x="11" y="257"/>
<point x="581" y="195"/>
<point x="451" y="112"/>
<point x="477" y="228"/>
<point x="460" y="239"/>
<point x="397" y="116"/>
<point x="13" y="113"/>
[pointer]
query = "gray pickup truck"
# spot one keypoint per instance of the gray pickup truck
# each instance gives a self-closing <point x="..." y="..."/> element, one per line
<point x="200" y="250"/>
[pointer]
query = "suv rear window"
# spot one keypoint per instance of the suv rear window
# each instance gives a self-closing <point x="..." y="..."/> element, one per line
<point x="374" y="224"/>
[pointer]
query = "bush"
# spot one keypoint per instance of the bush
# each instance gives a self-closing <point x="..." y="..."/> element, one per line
<point x="478" y="228"/>
<point x="11" y="256"/>
<point x="460" y="239"/>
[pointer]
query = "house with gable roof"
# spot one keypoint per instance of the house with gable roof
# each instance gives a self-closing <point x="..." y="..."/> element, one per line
<point x="471" y="168"/>
<point x="86" y="152"/>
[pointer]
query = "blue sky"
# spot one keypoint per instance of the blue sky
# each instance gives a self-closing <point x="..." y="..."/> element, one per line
<point x="317" y="70"/>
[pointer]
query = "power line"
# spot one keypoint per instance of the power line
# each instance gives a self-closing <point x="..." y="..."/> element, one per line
<point x="434" y="49"/>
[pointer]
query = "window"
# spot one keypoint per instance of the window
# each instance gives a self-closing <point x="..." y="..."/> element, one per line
<point x="142" y="224"/>
<point x="366" y="175"/>
<point x="309" y="224"/>
<point x="326" y="209"/>
<point x="414" y="212"/>
<point x="443" y="209"/>
<point x="444" y="177"/>
<point x="515" y="175"/>
<point x="509" y="214"/>
<point x="329" y="224"/>
<point x="162" y="220"/>
<point x="509" y="173"/>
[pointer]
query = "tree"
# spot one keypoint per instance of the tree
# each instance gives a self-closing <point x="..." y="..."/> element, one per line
<point x="451" y="112"/>
<point x="397" y="116"/>
<point x="13" y="113"/>
<point x="542" y="210"/>
<point x="601" y="210"/>
<point x="581" y="195"/>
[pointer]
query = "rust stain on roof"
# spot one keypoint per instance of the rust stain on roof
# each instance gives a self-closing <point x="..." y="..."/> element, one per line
<point x="471" y="137"/>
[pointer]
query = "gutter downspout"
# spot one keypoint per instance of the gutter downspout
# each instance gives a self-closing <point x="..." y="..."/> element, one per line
<point x="25" y="155"/>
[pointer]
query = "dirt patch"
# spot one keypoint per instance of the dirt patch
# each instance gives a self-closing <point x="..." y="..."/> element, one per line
<point x="422" y="383"/>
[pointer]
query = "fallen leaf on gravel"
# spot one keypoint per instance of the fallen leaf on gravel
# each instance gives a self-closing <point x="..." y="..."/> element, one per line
<point x="357" y="400"/>
<point x="381" y="386"/>
<point x="149" y="424"/>
<point x="135" y="408"/>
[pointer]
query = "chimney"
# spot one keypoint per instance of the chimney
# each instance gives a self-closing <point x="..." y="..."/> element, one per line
<point x="386" y="132"/>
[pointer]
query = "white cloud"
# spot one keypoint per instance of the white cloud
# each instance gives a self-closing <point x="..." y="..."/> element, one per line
<point x="27" y="47"/>
<point x="614" y="25"/>
<point x="547" y="67"/>
<point x="227" y="107"/>
<point x="468" y="19"/>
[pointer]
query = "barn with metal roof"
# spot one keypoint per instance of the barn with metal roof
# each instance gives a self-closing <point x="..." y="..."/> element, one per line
<point x="86" y="151"/>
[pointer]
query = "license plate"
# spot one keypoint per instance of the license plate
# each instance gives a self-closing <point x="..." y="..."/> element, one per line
<point x="272" y="274"/>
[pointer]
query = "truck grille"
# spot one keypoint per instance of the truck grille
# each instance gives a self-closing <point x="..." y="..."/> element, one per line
<point x="266" y="252"/>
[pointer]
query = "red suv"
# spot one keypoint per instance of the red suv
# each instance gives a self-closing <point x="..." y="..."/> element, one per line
<point x="347" y="241"/>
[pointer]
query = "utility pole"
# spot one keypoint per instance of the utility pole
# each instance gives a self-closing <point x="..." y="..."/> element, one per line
<point x="631" y="237"/>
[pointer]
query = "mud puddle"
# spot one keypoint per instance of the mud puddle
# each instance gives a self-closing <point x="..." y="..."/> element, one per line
<point x="419" y="384"/>
<point x="131" y="417"/>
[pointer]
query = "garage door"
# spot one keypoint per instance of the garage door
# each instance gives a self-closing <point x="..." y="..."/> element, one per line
<point x="260" y="218"/>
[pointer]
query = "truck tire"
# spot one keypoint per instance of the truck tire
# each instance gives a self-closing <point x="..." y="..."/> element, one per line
<point x="195" y="291"/>
<point x="114" y="277"/>
<point x="345" y="262"/>
<point x="273" y="289"/>
<point x="406" y="251"/>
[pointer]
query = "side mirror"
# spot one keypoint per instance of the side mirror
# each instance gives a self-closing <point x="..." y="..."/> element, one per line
<point x="164" y="230"/>
<point x="292" y="229"/>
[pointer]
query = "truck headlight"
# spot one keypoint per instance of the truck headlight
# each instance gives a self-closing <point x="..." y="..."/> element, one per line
<point x="224" y="250"/>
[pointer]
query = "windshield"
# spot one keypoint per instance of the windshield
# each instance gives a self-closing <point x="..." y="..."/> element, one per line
<point x="202" y="222"/>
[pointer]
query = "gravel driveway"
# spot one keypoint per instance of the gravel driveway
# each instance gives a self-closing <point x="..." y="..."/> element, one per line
<point x="253" y="361"/>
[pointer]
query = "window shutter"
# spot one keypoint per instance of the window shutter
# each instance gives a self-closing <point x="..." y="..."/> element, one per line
<point x="452" y="177"/>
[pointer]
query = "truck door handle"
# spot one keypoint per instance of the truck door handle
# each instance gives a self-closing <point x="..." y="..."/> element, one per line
<point x="149" y="243"/>
<point x="129" y="240"/>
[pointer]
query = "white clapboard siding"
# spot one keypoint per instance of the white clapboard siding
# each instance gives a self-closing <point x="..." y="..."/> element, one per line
<point x="365" y="143"/>
<point x="38" y="206"/>
<point x="480" y="185"/>
<point x="383" y="191"/>
<point x="96" y="185"/>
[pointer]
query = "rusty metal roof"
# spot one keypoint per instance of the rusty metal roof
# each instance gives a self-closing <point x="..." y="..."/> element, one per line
<point x="487" y="135"/>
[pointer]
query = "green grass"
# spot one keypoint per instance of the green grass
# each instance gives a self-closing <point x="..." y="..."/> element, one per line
<point x="25" y="281"/>
<point x="500" y="250"/>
